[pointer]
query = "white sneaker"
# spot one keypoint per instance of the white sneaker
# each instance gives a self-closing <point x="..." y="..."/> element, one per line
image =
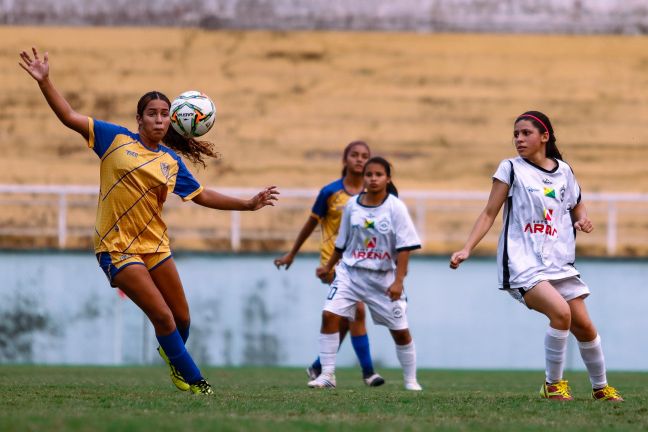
<point x="413" y="386"/>
<point x="374" y="380"/>
<point x="323" y="381"/>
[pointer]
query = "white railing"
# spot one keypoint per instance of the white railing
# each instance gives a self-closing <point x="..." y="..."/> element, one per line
<point x="442" y="217"/>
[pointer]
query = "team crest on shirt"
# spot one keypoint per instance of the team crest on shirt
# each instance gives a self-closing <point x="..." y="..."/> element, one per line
<point x="368" y="223"/>
<point x="384" y="226"/>
<point x="562" y="193"/>
<point x="164" y="167"/>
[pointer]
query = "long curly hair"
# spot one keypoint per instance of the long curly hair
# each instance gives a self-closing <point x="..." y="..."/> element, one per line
<point x="191" y="148"/>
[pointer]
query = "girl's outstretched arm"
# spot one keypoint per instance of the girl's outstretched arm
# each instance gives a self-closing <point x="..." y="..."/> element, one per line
<point x="212" y="199"/>
<point x="39" y="70"/>
<point x="498" y="194"/>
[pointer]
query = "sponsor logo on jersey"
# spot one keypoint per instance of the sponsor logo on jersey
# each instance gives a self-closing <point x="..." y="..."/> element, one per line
<point x="550" y="192"/>
<point x="546" y="181"/>
<point x="398" y="312"/>
<point x="548" y="214"/>
<point x="532" y="189"/>
<point x="368" y="223"/>
<point x="562" y="193"/>
<point x="370" y="242"/>
<point x="540" y="228"/>
<point x="132" y="153"/>
<point x="371" y="254"/>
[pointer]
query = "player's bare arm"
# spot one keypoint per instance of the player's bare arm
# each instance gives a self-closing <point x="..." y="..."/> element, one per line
<point x="498" y="194"/>
<point x="39" y="70"/>
<point x="306" y="231"/>
<point x="322" y="271"/>
<point x="216" y="200"/>
<point x="580" y="219"/>
<point x="395" y="291"/>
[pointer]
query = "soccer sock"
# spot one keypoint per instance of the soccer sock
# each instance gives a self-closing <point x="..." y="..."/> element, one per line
<point x="362" y="350"/>
<point x="555" y="350"/>
<point x="329" y="344"/>
<point x="179" y="357"/>
<point x="184" y="334"/>
<point x="592" y="354"/>
<point x="407" y="357"/>
<point x="317" y="365"/>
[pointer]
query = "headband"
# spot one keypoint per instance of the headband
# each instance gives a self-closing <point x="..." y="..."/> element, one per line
<point x="537" y="119"/>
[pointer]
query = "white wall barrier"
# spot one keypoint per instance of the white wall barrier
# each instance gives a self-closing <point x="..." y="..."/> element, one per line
<point x="62" y="216"/>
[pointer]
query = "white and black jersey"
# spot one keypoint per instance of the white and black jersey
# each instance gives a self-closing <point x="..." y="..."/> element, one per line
<point x="371" y="237"/>
<point x="537" y="240"/>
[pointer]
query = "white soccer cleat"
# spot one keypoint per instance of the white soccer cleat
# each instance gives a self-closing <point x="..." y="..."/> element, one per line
<point x="374" y="380"/>
<point x="413" y="386"/>
<point x="323" y="381"/>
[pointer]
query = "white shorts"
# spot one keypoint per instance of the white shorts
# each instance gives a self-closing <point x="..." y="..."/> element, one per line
<point x="353" y="284"/>
<point x="569" y="288"/>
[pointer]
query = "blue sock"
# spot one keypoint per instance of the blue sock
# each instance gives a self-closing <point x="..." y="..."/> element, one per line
<point x="184" y="334"/>
<point x="317" y="365"/>
<point x="179" y="357"/>
<point x="361" y="348"/>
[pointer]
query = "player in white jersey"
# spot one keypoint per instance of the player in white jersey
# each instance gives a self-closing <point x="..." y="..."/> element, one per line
<point x="536" y="250"/>
<point x="375" y="239"/>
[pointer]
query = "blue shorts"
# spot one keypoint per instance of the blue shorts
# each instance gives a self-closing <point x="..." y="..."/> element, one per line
<point x="114" y="262"/>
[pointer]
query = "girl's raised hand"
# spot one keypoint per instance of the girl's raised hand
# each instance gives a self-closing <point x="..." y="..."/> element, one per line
<point x="264" y="198"/>
<point x="37" y="68"/>
<point x="457" y="258"/>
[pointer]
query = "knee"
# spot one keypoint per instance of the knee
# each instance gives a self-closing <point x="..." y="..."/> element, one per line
<point x="163" y="322"/>
<point x="401" y="337"/>
<point x="561" y="319"/>
<point x="584" y="332"/>
<point x="330" y="322"/>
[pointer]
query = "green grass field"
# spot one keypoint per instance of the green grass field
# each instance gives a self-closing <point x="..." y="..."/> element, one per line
<point x="35" y="398"/>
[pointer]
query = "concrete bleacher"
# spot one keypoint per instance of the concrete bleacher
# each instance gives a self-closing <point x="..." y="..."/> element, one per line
<point x="550" y="16"/>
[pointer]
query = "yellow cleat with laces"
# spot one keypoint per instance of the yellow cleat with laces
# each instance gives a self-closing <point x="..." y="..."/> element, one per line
<point x="607" y="393"/>
<point x="558" y="391"/>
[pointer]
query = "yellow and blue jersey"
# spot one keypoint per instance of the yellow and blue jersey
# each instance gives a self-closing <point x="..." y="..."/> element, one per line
<point x="135" y="181"/>
<point x="328" y="209"/>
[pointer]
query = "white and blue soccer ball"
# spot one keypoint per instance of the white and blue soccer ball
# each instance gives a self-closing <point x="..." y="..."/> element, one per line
<point x="192" y="114"/>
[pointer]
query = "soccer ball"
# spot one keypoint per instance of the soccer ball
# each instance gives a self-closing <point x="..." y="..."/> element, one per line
<point x="192" y="114"/>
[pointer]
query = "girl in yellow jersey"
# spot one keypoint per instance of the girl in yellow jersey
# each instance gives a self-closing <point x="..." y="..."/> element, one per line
<point x="327" y="211"/>
<point x="131" y="242"/>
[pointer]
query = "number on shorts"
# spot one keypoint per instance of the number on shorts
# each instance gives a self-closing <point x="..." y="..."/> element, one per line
<point x="332" y="292"/>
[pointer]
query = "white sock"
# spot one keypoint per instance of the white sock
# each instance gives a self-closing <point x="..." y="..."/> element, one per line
<point x="555" y="350"/>
<point x="592" y="355"/>
<point x="329" y="344"/>
<point x="407" y="357"/>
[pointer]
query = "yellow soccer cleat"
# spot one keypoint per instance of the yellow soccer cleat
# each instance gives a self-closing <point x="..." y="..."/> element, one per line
<point x="607" y="393"/>
<point x="201" y="387"/>
<point x="559" y="391"/>
<point x="176" y="378"/>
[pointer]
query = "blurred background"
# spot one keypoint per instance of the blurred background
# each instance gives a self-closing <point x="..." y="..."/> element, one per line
<point x="433" y="85"/>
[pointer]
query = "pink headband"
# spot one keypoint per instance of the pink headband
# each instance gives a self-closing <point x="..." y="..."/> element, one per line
<point x="537" y="119"/>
